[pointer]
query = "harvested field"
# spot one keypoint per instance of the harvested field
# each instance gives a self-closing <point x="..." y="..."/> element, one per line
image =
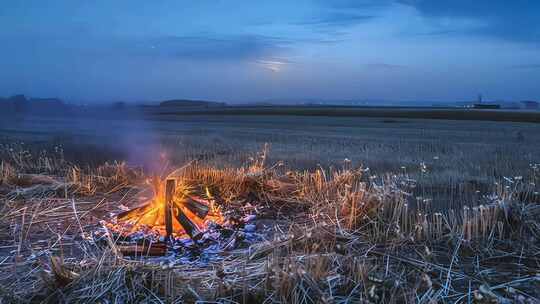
<point x="327" y="235"/>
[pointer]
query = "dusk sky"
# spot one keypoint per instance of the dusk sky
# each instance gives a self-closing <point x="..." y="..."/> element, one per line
<point x="241" y="51"/>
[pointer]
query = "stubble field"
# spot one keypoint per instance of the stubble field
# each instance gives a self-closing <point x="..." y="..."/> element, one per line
<point x="336" y="209"/>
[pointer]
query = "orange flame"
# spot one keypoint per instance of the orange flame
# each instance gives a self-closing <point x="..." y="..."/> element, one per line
<point x="152" y="215"/>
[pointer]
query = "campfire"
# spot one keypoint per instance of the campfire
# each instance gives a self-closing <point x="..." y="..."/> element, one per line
<point x="184" y="219"/>
<point x="175" y="211"/>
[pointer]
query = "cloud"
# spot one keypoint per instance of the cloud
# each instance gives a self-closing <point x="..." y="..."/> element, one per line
<point x="346" y="13"/>
<point x="338" y="19"/>
<point x="192" y="47"/>
<point x="514" y="21"/>
<point x="214" y="47"/>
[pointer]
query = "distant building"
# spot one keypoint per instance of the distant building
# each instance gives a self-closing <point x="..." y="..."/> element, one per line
<point x="481" y="105"/>
<point x="531" y="105"/>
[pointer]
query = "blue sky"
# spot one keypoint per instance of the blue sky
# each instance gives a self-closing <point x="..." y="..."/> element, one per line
<point x="247" y="50"/>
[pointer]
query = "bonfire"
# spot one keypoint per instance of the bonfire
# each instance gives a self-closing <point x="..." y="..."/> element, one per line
<point x="174" y="211"/>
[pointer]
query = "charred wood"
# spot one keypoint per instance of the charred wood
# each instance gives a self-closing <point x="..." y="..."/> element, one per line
<point x="191" y="229"/>
<point x="197" y="206"/>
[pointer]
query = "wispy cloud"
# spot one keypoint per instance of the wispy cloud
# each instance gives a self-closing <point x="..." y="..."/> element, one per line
<point x="214" y="47"/>
<point x="338" y="19"/>
<point x="342" y="14"/>
<point x="193" y="47"/>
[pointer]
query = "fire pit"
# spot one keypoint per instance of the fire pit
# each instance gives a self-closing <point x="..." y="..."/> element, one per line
<point x="175" y="211"/>
<point x="180" y="218"/>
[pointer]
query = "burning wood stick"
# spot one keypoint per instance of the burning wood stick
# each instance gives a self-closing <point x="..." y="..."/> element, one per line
<point x="138" y="210"/>
<point x="197" y="206"/>
<point x="169" y="193"/>
<point x="191" y="229"/>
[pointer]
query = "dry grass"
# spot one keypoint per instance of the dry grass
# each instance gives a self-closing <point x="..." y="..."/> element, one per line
<point x="341" y="236"/>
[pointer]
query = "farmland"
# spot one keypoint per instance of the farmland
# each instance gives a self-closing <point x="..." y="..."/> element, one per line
<point x="385" y="209"/>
